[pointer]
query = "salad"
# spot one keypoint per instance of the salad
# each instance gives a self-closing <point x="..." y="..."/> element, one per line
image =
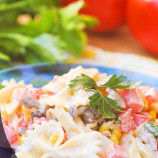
<point x="81" y="114"/>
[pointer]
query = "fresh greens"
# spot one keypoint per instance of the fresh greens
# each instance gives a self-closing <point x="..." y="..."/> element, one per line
<point x="119" y="82"/>
<point x="1" y="86"/>
<point x="52" y="34"/>
<point x="152" y="128"/>
<point x="98" y="100"/>
<point x="82" y="81"/>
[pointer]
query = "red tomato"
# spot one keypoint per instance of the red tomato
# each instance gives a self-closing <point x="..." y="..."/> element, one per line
<point x="23" y="122"/>
<point x="133" y="99"/>
<point x="115" y="151"/>
<point x="110" y="13"/>
<point x="11" y="134"/>
<point x="151" y="94"/>
<point x="141" y="118"/>
<point x="35" y="93"/>
<point x="142" y="19"/>
<point x="127" y="121"/>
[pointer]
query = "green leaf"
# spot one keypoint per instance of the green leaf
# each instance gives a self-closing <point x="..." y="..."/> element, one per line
<point x="119" y="82"/>
<point x="104" y="105"/>
<point x="152" y="128"/>
<point x="117" y="121"/>
<point x="4" y="57"/>
<point x="1" y="86"/>
<point x="82" y="81"/>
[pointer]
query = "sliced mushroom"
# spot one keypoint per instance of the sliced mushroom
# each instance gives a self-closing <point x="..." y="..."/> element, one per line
<point x="148" y="138"/>
<point x="31" y="102"/>
<point x="115" y="95"/>
<point x="73" y="111"/>
<point x="91" y="116"/>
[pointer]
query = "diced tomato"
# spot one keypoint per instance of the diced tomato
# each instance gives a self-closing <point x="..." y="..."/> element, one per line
<point x="151" y="94"/>
<point x="11" y="134"/>
<point x="133" y="99"/>
<point x="127" y="121"/>
<point x="35" y="93"/>
<point x="4" y="122"/>
<point x="115" y="151"/>
<point x="23" y="122"/>
<point x="141" y="118"/>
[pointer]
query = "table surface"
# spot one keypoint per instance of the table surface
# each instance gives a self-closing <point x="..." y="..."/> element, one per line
<point x="118" y="41"/>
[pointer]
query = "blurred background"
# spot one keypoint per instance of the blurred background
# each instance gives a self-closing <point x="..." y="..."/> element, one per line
<point x="57" y="31"/>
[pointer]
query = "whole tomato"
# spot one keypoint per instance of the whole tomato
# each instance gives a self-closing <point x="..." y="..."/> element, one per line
<point x="142" y="19"/>
<point x="110" y="13"/>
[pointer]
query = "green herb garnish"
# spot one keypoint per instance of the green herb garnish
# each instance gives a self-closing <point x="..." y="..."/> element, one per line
<point x="117" y="121"/>
<point x="98" y="100"/>
<point x="1" y="86"/>
<point x="152" y="128"/>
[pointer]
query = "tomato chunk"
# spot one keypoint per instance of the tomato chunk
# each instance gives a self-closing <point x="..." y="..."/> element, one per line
<point x="141" y="118"/>
<point x="11" y="134"/>
<point x="127" y="121"/>
<point x="115" y="151"/>
<point x="23" y="122"/>
<point x="151" y="94"/>
<point x="133" y="99"/>
<point x="36" y="93"/>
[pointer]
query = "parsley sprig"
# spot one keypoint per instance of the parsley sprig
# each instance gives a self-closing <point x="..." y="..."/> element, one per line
<point x="152" y="128"/>
<point x="98" y="100"/>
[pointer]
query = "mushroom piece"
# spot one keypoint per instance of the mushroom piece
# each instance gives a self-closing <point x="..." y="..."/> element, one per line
<point x="91" y="116"/>
<point x="30" y="102"/>
<point x="115" y="95"/>
<point x="148" y="138"/>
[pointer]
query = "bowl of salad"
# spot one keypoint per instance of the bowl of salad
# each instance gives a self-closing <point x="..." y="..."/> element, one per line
<point x="78" y="111"/>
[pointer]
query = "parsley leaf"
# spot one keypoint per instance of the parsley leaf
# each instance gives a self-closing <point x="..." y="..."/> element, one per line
<point x="117" y="121"/>
<point x="1" y="86"/>
<point x="82" y="81"/>
<point x="104" y="105"/>
<point x="119" y="82"/>
<point x="152" y="128"/>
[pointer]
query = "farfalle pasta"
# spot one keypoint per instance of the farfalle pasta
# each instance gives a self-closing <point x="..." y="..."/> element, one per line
<point x="81" y="114"/>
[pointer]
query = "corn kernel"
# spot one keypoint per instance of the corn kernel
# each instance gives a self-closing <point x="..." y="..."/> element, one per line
<point x="153" y="115"/>
<point x="135" y="133"/>
<point x="96" y="78"/>
<point x="71" y="92"/>
<point x="54" y="138"/>
<point x="27" y="113"/>
<point x="117" y="133"/>
<point x="114" y="139"/>
<point x="146" y="105"/>
<point x="20" y="139"/>
<point x="104" y="127"/>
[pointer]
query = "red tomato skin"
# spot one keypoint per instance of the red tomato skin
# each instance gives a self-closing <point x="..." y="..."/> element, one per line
<point x="110" y="13"/>
<point x="141" y="118"/>
<point x="11" y="134"/>
<point x="133" y="99"/>
<point x="22" y="122"/>
<point x="142" y="19"/>
<point x="127" y="121"/>
<point x="115" y="151"/>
